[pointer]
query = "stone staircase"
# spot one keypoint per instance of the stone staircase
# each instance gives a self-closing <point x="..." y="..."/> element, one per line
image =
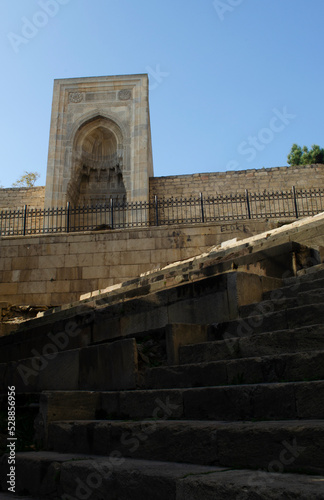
<point x="234" y="411"/>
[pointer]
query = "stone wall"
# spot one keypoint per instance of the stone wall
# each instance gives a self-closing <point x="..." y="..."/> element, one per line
<point x="15" y="198"/>
<point x="57" y="269"/>
<point x="178" y="186"/>
<point x="258" y="181"/>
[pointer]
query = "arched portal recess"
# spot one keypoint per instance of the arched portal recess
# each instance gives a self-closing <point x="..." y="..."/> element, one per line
<point x="97" y="164"/>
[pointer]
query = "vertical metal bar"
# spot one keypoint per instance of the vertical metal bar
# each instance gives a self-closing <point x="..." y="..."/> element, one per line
<point x="295" y="201"/>
<point x="156" y="210"/>
<point x="248" y="203"/>
<point x="68" y="217"/>
<point x="25" y="220"/>
<point x="112" y="212"/>
<point x="202" y="207"/>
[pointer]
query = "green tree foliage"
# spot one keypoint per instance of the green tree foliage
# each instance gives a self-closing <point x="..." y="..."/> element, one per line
<point x="304" y="156"/>
<point x="28" y="179"/>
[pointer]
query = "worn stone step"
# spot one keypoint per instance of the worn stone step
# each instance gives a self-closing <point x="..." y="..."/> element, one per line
<point x="72" y="476"/>
<point x="253" y="445"/>
<point x="296" y="285"/>
<point x="263" y="344"/>
<point x="294" y="400"/>
<point x="254" y="370"/>
<point x="267" y="306"/>
<point x="109" y="366"/>
<point x="259" y="485"/>
<point x="307" y="274"/>
<point x="203" y="298"/>
<point x="286" y="319"/>
<point x="58" y="476"/>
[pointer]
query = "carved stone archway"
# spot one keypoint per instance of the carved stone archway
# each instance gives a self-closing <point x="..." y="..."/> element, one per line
<point x="100" y="141"/>
<point x="97" y="164"/>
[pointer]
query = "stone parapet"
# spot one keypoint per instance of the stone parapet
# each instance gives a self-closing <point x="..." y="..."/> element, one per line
<point x="231" y="182"/>
<point x="17" y="198"/>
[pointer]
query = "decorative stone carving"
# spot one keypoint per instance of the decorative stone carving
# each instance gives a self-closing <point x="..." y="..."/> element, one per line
<point x="125" y="94"/>
<point x="75" y="97"/>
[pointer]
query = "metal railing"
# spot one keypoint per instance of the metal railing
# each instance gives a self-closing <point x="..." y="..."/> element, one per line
<point x="160" y="212"/>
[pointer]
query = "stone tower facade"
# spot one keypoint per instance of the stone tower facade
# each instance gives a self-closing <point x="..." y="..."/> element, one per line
<point x="100" y="141"/>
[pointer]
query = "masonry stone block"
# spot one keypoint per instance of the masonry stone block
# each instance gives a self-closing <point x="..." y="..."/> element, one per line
<point x="136" y="257"/>
<point x="61" y="372"/>
<point x="50" y="261"/>
<point x="182" y="334"/>
<point x="109" y="366"/>
<point x="95" y="272"/>
<point x="144" y="321"/>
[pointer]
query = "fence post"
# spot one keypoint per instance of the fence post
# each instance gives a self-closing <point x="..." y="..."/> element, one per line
<point x="248" y="203"/>
<point x="68" y="217"/>
<point x="25" y="220"/>
<point x="156" y="210"/>
<point x="112" y="212"/>
<point x="202" y="207"/>
<point x="295" y="201"/>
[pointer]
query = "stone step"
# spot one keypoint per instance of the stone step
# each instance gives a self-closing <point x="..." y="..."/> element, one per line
<point x="108" y="366"/>
<point x="251" y="445"/>
<point x="296" y="285"/>
<point x="254" y="370"/>
<point x="197" y="301"/>
<point x="307" y="274"/>
<point x="294" y="400"/>
<point x="58" y="476"/>
<point x="267" y="306"/>
<point x="287" y="319"/>
<point x="263" y="344"/>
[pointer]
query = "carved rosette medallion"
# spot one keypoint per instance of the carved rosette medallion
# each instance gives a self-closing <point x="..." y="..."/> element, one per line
<point x="124" y="95"/>
<point x="75" y="97"/>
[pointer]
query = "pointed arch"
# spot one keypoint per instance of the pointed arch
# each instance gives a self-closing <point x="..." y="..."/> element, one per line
<point x="97" y="161"/>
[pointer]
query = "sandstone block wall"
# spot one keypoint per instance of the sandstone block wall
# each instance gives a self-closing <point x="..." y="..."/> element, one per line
<point x="184" y="186"/>
<point x="57" y="269"/>
<point x="17" y="198"/>
<point x="258" y="181"/>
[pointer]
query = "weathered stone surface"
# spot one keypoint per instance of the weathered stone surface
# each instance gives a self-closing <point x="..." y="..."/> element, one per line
<point x="244" y="402"/>
<point x="166" y="404"/>
<point x="191" y="442"/>
<point x="308" y="314"/>
<point x="265" y="344"/>
<point x="299" y="285"/>
<point x="109" y="366"/>
<point x="195" y="375"/>
<point x="253" y="401"/>
<point x="138" y="479"/>
<point x="294" y="445"/>
<point x="310" y="399"/>
<point x="61" y="373"/>
<point x="284" y="367"/>
<point x="290" y="445"/>
<point x="62" y="405"/>
<point x="243" y="485"/>
<point x="182" y="334"/>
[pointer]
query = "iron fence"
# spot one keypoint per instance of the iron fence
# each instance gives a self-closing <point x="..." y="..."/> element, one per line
<point x="160" y="212"/>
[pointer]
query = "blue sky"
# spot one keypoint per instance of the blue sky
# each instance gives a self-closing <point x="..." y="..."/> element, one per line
<point x="234" y="83"/>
